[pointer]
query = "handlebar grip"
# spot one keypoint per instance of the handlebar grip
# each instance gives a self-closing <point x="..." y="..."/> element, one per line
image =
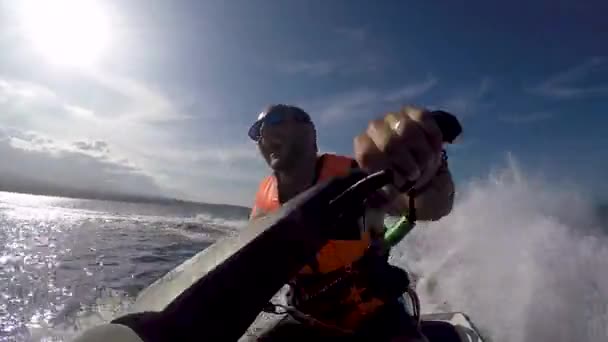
<point x="448" y="124"/>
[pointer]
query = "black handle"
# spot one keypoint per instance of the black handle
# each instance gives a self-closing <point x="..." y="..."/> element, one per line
<point x="448" y="124"/>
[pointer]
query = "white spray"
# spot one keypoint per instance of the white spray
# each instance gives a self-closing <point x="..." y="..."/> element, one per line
<point x="523" y="257"/>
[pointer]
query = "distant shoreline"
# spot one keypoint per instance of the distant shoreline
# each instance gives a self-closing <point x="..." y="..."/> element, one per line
<point x="114" y="197"/>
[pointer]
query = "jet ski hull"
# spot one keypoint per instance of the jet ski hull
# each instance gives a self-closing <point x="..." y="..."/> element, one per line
<point x="449" y="327"/>
<point x="217" y="294"/>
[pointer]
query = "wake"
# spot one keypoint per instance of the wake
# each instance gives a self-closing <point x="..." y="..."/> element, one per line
<point x="525" y="258"/>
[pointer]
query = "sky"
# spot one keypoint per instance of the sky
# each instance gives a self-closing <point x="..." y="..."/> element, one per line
<point x="155" y="97"/>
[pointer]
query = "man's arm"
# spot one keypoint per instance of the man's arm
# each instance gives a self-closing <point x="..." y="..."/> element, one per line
<point x="436" y="199"/>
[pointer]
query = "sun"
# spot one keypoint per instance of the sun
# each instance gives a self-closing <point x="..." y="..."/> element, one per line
<point x="69" y="33"/>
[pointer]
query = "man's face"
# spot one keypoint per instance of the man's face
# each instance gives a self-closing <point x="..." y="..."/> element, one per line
<point x="282" y="144"/>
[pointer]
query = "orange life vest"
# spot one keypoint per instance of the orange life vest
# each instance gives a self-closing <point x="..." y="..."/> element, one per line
<point x="333" y="263"/>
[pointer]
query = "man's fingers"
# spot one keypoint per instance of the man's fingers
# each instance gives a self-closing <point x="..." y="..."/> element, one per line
<point x="385" y="138"/>
<point x="426" y="121"/>
<point x="380" y="131"/>
<point x="403" y="161"/>
<point x="409" y="133"/>
<point x="409" y="142"/>
<point x="368" y="155"/>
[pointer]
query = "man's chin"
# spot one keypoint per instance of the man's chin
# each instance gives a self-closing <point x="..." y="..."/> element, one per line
<point x="277" y="164"/>
<point x="280" y="164"/>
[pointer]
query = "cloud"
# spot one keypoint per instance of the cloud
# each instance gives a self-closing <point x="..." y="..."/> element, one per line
<point x="345" y="105"/>
<point x="315" y="69"/>
<point x="366" y="62"/>
<point x="356" y="34"/>
<point x="359" y="102"/>
<point x="42" y="128"/>
<point x="411" y="91"/>
<point x="466" y="101"/>
<point x="212" y="172"/>
<point x="230" y="154"/>
<point x="203" y="171"/>
<point x="343" y="57"/>
<point x="31" y="106"/>
<point x="79" y="112"/>
<point x="577" y="81"/>
<point x="95" y="146"/>
<point x="211" y="157"/>
<point x="31" y="162"/>
<point x="131" y="101"/>
<point x="527" y="118"/>
<point x="19" y="90"/>
<point x="144" y="104"/>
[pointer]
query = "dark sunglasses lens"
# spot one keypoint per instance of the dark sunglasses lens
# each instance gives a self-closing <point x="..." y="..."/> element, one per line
<point x="275" y="118"/>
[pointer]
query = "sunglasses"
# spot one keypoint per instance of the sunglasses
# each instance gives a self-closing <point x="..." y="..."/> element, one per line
<point x="276" y="117"/>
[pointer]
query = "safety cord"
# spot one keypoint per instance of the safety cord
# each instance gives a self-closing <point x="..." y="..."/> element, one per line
<point x="411" y="210"/>
<point x="415" y="306"/>
<point x="411" y="217"/>
<point x="279" y="309"/>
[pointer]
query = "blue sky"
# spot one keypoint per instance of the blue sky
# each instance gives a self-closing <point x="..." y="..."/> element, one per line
<point x="171" y="92"/>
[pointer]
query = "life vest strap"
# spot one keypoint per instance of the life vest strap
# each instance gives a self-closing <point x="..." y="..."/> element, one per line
<point x="335" y="294"/>
<point x="303" y="318"/>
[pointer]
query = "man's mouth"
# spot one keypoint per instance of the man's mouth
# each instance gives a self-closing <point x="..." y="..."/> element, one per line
<point x="275" y="155"/>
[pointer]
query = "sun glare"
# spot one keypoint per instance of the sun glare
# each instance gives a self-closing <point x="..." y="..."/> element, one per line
<point x="72" y="33"/>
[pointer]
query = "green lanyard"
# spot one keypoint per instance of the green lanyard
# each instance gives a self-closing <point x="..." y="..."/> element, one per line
<point x="396" y="232"/>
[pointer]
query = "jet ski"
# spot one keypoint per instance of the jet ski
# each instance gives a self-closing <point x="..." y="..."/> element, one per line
<point x="217" y="294"/>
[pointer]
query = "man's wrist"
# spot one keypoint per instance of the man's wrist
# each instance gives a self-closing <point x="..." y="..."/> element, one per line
<point x="437" y="168"/>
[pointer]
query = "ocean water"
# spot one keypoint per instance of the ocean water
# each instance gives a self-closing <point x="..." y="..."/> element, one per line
<point x="66" y="264"/>
<point x="526" y="259"/>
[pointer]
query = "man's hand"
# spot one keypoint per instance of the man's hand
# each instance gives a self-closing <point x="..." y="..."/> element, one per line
<point x="408" y="142"/>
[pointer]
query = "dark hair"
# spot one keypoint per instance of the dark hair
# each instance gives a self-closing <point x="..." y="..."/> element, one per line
<point x="285" y="108"/>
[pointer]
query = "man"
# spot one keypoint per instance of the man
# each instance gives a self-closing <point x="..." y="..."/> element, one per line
<point x="342" y="289"/>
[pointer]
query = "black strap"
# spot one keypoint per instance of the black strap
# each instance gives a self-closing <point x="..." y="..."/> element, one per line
<point x="411" y="210"/>
<point x="411" y="216"/>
